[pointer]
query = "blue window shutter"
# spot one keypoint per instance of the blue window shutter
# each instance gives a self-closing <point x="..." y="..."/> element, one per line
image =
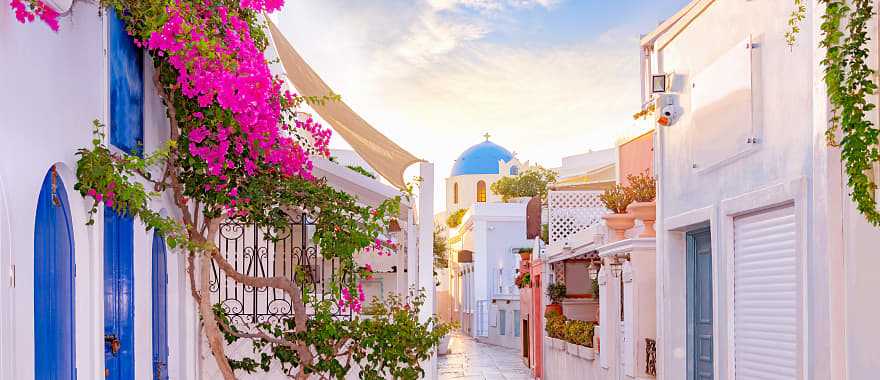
<point x="502" y="322"/>
<point x="516" y="323"/>
<point x="126" y="89"/>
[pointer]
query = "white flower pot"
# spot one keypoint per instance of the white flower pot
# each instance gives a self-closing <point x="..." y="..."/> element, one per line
<point x="586" y="353"/>
<point x="444" y="345"/>
<point x="571" y="348"/>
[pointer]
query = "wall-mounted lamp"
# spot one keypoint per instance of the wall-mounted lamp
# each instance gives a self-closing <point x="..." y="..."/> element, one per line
<point x="616" y="263"/>
<point x="659" y="83"/>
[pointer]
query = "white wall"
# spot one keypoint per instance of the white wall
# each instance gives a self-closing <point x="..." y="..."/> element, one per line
<point x="53" y="86"/>
<point x="790" y="163"/>
<point x="782" y="82"/>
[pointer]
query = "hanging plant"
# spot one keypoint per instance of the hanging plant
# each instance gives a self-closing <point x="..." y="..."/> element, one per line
<point x="849" y="81"/>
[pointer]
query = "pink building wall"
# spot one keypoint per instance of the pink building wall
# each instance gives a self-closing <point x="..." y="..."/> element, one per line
<point x="636" y="156"/>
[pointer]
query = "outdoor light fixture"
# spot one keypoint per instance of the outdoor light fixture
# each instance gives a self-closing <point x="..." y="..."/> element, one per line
<point x="616" y="263"/>
<point x="594" y="268"/>
<point x="658" y="83"/>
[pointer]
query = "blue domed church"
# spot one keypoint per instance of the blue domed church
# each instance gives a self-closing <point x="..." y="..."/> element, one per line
<point x="474" y="172"/>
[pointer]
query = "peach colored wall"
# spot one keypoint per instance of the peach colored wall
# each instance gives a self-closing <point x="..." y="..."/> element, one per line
<point x="636" y="155"/>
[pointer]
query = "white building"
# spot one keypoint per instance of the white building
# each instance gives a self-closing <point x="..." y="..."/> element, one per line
<point x="484" y="263"/>
<point x="68" y="288"/>
<point x="764" y="266"/>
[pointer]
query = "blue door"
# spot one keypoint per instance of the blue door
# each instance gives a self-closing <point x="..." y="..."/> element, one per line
<point x="160" y="309"/>
<point x="699" y="305"/>
<point x="55" y="346"/>
<point x="118" y="296"/>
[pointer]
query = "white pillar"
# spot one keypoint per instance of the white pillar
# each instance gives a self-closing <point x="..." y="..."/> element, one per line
<point x="412" y="253"/>
<point x="426" y="252"/>
<point x="426" y="238"/>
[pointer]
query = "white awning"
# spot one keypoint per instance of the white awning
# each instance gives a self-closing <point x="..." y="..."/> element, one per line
<point x="383" y="155"/>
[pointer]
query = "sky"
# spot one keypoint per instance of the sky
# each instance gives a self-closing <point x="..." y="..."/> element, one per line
<point x="545" y="78"/>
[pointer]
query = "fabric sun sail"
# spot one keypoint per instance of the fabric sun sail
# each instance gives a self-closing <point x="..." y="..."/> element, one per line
<point x="382" y="154"/>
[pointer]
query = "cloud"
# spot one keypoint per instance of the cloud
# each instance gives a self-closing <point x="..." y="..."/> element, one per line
<point x="428" y="76"/>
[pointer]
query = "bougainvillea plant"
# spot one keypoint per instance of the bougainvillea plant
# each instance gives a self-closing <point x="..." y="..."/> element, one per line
<point x="238" y="153"/>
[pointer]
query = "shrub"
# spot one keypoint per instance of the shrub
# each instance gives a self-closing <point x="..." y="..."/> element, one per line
<point x="556" y="292"/>
<point x="454" y="219"/>
<point x="616" y="199"/>
<point x="555" y="325"/>
<point x="530" y="183"/>
<point x="579" y="332"/>
<point x="642" y="187"/>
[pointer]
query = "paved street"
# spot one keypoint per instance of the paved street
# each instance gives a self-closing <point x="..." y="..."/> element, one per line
<point x="469" y="359"/>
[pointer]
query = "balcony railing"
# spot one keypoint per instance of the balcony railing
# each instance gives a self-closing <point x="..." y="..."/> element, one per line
<point x="571" y="212"/>
<point x="651" y="356"/>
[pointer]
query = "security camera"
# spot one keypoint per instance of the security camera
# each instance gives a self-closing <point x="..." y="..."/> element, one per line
<point x="668" y="115"/>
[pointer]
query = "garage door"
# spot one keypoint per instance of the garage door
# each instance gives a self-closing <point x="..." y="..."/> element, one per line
<point x="767" y="296"/>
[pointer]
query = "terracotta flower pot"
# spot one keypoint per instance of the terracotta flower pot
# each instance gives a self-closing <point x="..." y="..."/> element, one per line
<point x="554" y="306"/>
<point x="647" y="213"/>
<point x="619" y="223"/>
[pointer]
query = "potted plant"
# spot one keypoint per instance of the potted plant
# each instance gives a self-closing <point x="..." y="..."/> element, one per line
<point x="523" y="280"/>
<point x="617" y="199"/>
<point x="556" y="292"/>
<point x="555" y="328"/>
<point x="643" y="191"/>
<point x="525" y="253"/>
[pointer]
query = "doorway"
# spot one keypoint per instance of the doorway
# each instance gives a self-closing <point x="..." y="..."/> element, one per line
<point x="699" y="305"/>
<point x="118" y="295"/>
<point x="54" y="328"/>
<point x="160" y="309"/>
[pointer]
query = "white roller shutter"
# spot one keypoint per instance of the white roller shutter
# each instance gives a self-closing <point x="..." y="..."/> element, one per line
<point x="767" y="296"/>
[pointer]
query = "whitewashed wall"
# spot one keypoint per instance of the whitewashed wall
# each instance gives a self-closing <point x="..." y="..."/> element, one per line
<point x="790" y="163"/>
<point x="52" y="85"/>
<point x="783" y="79"/>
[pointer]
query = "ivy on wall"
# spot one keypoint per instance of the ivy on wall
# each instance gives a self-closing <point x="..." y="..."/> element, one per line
<point x="849" y="79"/>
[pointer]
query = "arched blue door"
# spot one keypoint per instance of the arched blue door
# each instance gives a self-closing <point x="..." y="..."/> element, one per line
<point x="55" y="346"/>
<point x="160" y="309"/>
<point x="118" y="295"/>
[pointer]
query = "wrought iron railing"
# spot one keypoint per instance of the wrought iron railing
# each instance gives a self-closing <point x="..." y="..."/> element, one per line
<point x="651" y="356"/>
<point x="256" y="251"/>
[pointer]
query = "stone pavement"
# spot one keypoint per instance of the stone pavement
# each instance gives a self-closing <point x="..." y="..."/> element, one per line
<point x="472" y="360"/>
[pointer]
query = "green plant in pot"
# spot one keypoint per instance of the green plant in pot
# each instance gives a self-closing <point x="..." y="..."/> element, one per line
<point x="525" y="253"/>
<point x="643" y="191"/>
<point x="556" y="292"/>
<point x="617" y="199"/>
<point x="523" y="280"/>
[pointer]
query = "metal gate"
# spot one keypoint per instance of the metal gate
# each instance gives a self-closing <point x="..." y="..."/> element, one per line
<point x="257" y="251"/>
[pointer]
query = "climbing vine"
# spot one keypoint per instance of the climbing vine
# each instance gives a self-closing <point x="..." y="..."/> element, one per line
<point x="849" y="80"/>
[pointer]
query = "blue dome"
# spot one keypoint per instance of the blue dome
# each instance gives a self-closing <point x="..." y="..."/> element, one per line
<point x="481" y="159"/>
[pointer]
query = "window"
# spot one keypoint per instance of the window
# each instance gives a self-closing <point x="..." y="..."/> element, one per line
<point x="481" y="191"/>
<point x="517" y="320"/>
<point x="126" y="89"/>
<point x="455" y="193"/>
<point x="514" y="170"/>
<point x="502" y="322"/>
